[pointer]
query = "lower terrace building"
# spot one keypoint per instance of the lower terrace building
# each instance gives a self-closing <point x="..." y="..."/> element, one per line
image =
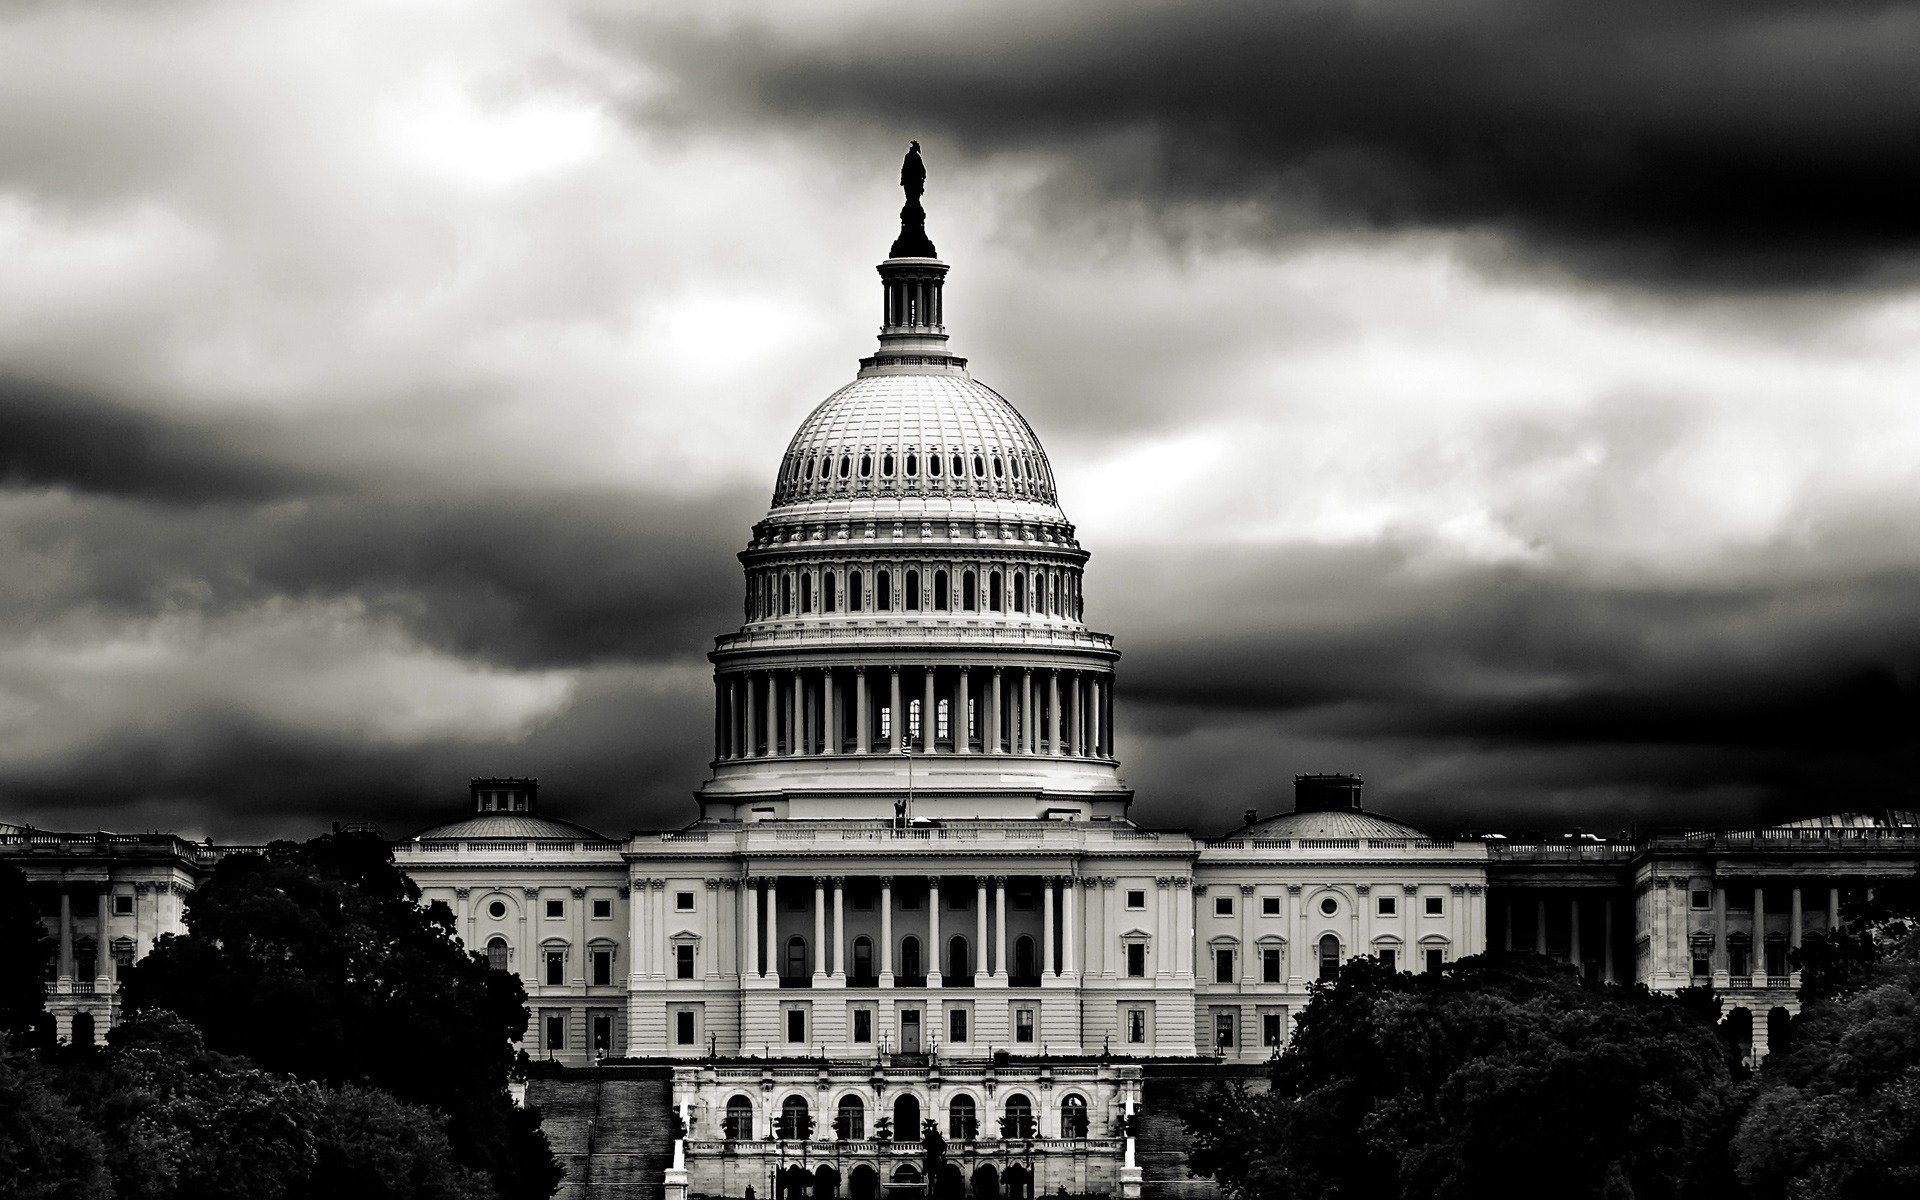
<point x="913" y="894"/>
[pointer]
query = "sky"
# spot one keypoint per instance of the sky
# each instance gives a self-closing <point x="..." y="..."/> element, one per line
<point x="1511" y="401"/>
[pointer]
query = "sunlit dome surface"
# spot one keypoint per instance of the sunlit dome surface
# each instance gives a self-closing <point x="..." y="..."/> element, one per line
<point x="1345" y="823"/>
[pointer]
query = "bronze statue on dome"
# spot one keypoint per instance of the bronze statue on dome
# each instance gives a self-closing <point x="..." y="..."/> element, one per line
<point x="913" y="241"/>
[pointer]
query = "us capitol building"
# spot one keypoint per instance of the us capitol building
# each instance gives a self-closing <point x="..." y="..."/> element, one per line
<point x="913" y="892"/>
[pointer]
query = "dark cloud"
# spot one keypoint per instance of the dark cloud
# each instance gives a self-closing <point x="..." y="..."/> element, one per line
<point x="1724" y="142"/>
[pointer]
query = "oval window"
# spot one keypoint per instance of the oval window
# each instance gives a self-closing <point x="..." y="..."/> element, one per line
<point x="866" y="466"/>
<point x="933" y="464"/>
<point x="979" y="467"/>
<point x="886" y="466"/>
<point x="997" y="471"/>
<point x="846" y="466"/>
<point x="496" y="910"/>
<point x="1329" y="906"/>
<point x="913" y="465"/>
<point x="959" y="467"/>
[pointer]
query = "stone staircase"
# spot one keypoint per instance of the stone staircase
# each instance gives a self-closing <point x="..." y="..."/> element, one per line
<point x="610" y="1127"/>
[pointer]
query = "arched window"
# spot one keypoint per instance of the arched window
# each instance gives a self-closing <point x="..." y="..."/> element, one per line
<point x="796" y="1122"/>
<point x="806" y="592"/>
<point x="913" y="591"/>
<point x="959" y="467"/>
<point x="913" y="465"/>
<point x="1073" y="1117"/>
<point x="863" y="958"/>
<point x="827" y="597"/>
<point x="1018" y="1119"/>
<point x="886" y="465"/>
<point x="906" y="1117"/>
<point x="737" y="1126"/>
<point x="996" y="594"/>
<point x="1329" y="956"/>
<point x="1020" y="592"/>
<point x="963" y="1119"/>
<point x="866" y="466"/>
<point x="942" y="599"/>
<point x="957" y="963"/>
<point x="910" y="958"/>
<point x="786" y="595"/>
<point x="856" y="595"/>
<point x="1023" y="959"/>
<point x="846" y="466"/>
<point x="933" y="465"/>
<point x="979" y="467"/>
<point x="797" y="958"/>
<point x="883" y="590"/>
<point x="969" y="593"/>
<point x="998" y="472"/>
<point x="497" y="953"/>
<point x="850" y="1124"/>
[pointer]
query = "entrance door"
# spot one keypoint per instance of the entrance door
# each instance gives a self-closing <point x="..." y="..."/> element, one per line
<point x="910" y="1030"/>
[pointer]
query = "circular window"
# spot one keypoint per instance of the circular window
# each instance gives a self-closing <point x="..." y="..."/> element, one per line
<point x="496" y="910"/>
<point x="1329" y="906"/>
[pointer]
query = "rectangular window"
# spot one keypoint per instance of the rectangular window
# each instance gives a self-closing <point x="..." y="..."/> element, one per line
<point x="1223" y="965"/>
<point x="1269" y="964"/>
<point x="123" y="955"/>
<point x="1136" y="960"/>
<point x="557" y="1030"/>
<point x="556" y="966"/>
<point x="603" y="910"/>
<point x="1389" y="958"/>
<point x="1700" y="898"/>
<point x="863" y="1025"/>
<point x="1223" y="906"/>
<point x="1435" y="958"/>
<point x="556" y="909"/>
<point x="1023" y="1025"/>
<point x="1136" y="1026"/>
<point x="1223" y="1038"/>
<point x="683" y="1032"/>
<point x="1434" y="906"/>
<point x="683" y="902"/>
<point x="602" y="968"/>
<point x="958" y="898"/>
<point x="797" y="1025"/>
<point x="1388" y="907"/>
<point x="1023" y="901"/>
<point x="602" y="1025"/>
<point x="1272" y="1028"/>
<point x="123" y="906"/>
<point x="957" y="1025"/>
<point x="909" y="901"/>
<point x="1136" y="900"/>
<point x="683" y="961"/>
<point x="1269" y="906"/>
<point x="1702" y="962"/>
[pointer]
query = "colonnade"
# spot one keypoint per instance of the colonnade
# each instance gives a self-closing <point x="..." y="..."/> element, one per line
<point x="988" y="957"/>
<point x="799" y="711"/>
<point x="1585" y="927"/>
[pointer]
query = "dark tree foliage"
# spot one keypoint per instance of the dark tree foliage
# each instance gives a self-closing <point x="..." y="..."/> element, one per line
<point x="316" y="959"/>
<point x="26" y="949"/>
<point x="1499" y="1076"/>
<point x="47" y="1150"/>
<point x="1837" y="1116"/>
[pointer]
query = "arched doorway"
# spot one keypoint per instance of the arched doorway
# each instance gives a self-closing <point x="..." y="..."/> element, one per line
<point x="83" y="1029"/>
<point x="850" y="1123"/>
<point x="1073" y="1117"/>
<point x="959" y="966"/>
<point x="1737" y="1029"/>
<point x="738" y="1123"/>
<point x="1017" y="1183"/>
<point x="1779" y="1030"/>
<point x="1025" y="965"/>
<point x="906" y="1118"/>
<point x="1329" y="957"/>
<point x="794" y="1182"/>
<point x="1018" y="1119"/>
<point x="863" y="1184"/>
<point x="826" y="1182"/>
<point x="963" y="1119"/>
<point x="952" y="1184"/>
<point x="796" y="1123"/>
<point x="906" y="1181"/>
<point x="986" y="1183"/>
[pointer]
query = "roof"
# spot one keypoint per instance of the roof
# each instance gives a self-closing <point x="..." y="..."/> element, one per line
<point x="1337" y="823"/>
<point x="508" y="826"/>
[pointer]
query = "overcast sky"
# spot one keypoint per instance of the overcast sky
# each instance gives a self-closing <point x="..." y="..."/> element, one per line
<point x="1513" y="401"/>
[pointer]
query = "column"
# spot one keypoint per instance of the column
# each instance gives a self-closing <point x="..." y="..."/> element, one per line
<point x="636" y="926"/>
<point x="862" y="714"/>
<point x="1097" y="733"/>
<point x="1029" y="728"/>
<point x="839" y="929"/>
<point x="103" y="946"/>
<point x="962" y="733"/>
<point x="980" y="959"/>
<point x="886" y="931"/>
<point x="929" y="716"/>
<point x="751" y="967"/>
<point x="1109" y="929"/>
<point x="1833" y="909"/>
<point x="772" y="883"/>
<point x="1000" y="965"/>
<point x="1053" y="713"/>
<point x="797" y="742"/>
<point x="773" y="714"/>
<point x="897" y="715"/>
<point x="1075" y="735"/>
<point x="933" y="933"/>
<point x="829" y="713"/>
<point x="1506" y="918"/>
<point x="1069" y="939"/>
<point x="1719" y="934"/>
<point x="1183" y="935"/>
<point x="1046" y="927"/>
<point x="1573" y="935"/>
<point x="752" y="747"/>
<point x="819" y="928"/>
<point x="710" y="931"/>
<point x="990" y="737"/>
<point x="1757" y="957"/>
<point x="66" y="938"/>
<point x="1162" y="938"/>
<point x="1540" y="926"/>
<point x="1793" y="931"/>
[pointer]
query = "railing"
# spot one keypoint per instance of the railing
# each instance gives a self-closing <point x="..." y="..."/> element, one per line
<point x="1501" y="851"/>
<point x="829" y="1145"/>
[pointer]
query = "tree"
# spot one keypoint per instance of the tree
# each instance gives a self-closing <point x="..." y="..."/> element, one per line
<point x="1488" y="1079"/>
<point x="317" y="959"/>
<point x="933" y="1149"/>
<point x="47" y="1149"/>
<point x="26" y="949"/>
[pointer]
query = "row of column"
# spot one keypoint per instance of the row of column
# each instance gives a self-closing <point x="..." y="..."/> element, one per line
<point x="1579" y="949"/>
<point x="802" y="711"/>
<point x="1056" y="958"/>
<point x="1758" y="935"/>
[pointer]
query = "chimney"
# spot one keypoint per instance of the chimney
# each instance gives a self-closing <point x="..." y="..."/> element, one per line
<point x="1248" y="817"/>
<point x="1326" y="793"/>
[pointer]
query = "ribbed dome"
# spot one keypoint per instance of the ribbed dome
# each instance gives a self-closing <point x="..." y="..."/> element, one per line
<point x="1347" y="823"/>
<point x="931" y="432"/>
<point x="508" y="826"/>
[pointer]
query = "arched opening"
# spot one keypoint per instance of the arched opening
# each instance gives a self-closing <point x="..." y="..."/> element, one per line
<point x="828" y="600"/>
<point x="906" y="1180"/>
<point x="910" y="968"/>
<point x="933" y="465"/>
<point x="1020" y="592"/>
<point x="942" y="597"/>
<point x="1737" y="1029"/>
<point x="963" y="1119"/>
<point x="866" y="466"/>
<point x="996" y="595"/>
<point x="1017" y="1118"/>
<point x="979" y="467"/>
<point x="826" y="1182"/>
<point x="1073" y="1117"/>
<point x="497" y="953"/>
<point x="856" y="595"/>
<point x="886" y="465"/>
<point x="786" y="595"/>
<point x="986" y="1183"/>
<point x="794" y="1182"/>
<point x="959" y="969"/>
<point x="796" y="1121"/>
<point x="952" y="1185"/>
<point x="797" y="965"/>
<point x="1025" y="967"/>
<point x="737" y="1125"/>
<point x="913" y="465"/>
<point x="883" y="590"/>
<point x="1017" y="1183"/>
<point x="83" y="1029"/>
<point x="959" y="466"/>
<point x="850" y="1122"/>
<point x="906" y="1117"/>
<point x="1779" y="1030"/>
<point x="863" y="960"/>
<point x="1329" y="956"/>
<point x="806" y="592"/>
<point x="846" y="466"/>
<point x="969" y="593"/>
<point x="913" y="591"/>
<point x="863" y="1184"/>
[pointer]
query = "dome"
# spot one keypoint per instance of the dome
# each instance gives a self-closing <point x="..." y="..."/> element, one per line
<point x="508" y="826"/>
<point x="925" y="432"/>
<point x="1332" y="823"/>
